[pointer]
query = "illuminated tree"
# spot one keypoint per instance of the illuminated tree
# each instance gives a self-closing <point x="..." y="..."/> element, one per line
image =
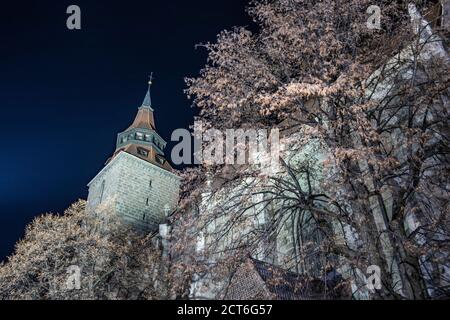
<point x="374" y="102"/>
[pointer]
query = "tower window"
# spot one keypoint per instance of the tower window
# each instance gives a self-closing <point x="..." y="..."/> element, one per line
<point x="150" y="183"/>
<point x="142" y="152"/>
<point x="139" y="136"/>
<point x="160" y="160"/>
<point x="148" y="201"/>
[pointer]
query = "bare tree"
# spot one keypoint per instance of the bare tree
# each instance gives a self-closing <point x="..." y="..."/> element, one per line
<point x="375" y="102"/>
<point x="79" y="256"/>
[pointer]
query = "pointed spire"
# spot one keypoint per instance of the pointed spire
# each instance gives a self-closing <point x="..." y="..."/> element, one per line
<point x="148" y="98"/>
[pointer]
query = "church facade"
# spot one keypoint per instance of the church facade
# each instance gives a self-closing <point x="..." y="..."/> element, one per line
<point x="137" y="182"/>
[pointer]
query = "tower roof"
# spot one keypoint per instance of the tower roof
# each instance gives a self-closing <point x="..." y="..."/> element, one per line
<point x="147" y="103"/>
<point x="141" y="138"/>
<point x="144" y="118"/>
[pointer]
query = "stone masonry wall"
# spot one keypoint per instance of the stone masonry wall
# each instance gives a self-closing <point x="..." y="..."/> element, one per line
<point x="143" y="193"/>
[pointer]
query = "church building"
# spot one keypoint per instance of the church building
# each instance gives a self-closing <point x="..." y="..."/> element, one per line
<point x="137" y="182"/>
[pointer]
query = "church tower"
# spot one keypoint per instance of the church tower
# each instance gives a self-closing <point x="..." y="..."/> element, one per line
<point x="137" y="182"/>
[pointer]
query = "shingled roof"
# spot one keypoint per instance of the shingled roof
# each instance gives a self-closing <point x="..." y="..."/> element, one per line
<point x="262" y="280"/>
<point x="286" y="285"/>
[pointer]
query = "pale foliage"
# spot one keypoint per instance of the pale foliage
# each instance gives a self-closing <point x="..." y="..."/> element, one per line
<point x="376" y="101"/>
<point x="115" y="262"/>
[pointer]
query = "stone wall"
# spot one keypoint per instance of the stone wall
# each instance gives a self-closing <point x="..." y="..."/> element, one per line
<point x="142" y="193"/>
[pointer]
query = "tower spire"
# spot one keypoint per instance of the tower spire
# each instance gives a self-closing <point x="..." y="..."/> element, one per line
<point x="148" y="98"/>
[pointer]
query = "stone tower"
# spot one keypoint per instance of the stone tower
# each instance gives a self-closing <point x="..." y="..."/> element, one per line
<point x="137" y="182"/>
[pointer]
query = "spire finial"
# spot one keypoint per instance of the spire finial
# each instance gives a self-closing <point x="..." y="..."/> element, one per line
<point x="150" y="81"/>
<point x="148" y="99"/>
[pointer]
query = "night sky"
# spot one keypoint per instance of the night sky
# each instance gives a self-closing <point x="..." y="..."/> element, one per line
<point x="64" y="95"/>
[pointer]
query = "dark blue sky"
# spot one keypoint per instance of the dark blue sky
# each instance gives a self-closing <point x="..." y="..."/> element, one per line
<point x="64" y="95"/>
